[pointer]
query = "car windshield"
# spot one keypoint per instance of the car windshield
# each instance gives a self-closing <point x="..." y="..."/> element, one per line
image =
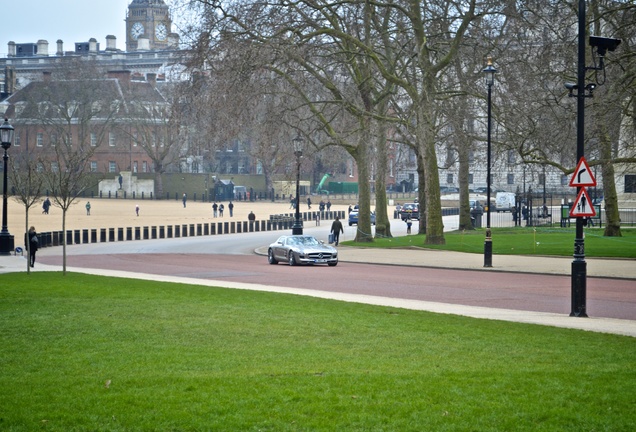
<point x="307" y="241"/>
<point x="409" y="207"/>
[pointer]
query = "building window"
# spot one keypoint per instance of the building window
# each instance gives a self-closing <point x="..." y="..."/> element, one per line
<point x="471" y="157"/>
<point x="511" y="156"/>
<point x="40" y="167"/>
<point x="112" y="166"/>
<point x="135" y="138"/>
<point x="564" y="180"/>
<point x="470" y="178"/>
<point x="40" y="139"/>
<point x="511" y="179"/>
<point x="93" y="139"/>
<point x="391" y="164"/>
<point x="144" y="166"/>
<point x="111" y="139"/>
<point x="450" y="157"/>
<point x="16" y="140"/>
<point x="54" y="167"/>
<point x="93" y="166"/>
<point x="135" y="166"/>
<point x="449" y="178"/>
<point x="53" y="140"/>
<point x="630" y="183"/>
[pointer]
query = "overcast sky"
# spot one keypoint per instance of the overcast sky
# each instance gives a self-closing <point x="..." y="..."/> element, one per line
<point x="24" y="21"/>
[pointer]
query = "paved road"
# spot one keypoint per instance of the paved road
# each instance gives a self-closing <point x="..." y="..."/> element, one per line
<point x="609" y="298"/>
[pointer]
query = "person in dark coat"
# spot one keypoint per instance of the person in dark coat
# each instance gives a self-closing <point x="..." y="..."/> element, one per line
<point x="336" y="229"/>
<point x="33" y="245"/>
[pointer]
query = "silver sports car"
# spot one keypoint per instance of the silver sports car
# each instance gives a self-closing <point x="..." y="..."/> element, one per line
<point x="301" y="249"/>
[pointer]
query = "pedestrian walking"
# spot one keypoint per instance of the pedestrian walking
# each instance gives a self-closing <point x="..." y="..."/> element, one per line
<point x="185" y="198"/>
<point x="88" y="208"/>
<point x="215" y="209"/>
<point x="33" y="245"/>
<point x="137" y="209"/>
<point x="231" y="207"/>
<point x="336" y="229"/>
<point x="221" y="208"/>
<point x="46" y="205"/>
<point x="308" y="203"/>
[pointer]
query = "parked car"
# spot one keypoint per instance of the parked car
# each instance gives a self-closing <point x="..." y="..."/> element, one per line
<point x="410" y="211"/>
<point x="301" y="249"/>
<point x="353" y="217"/>
<point x="448" y="190"/>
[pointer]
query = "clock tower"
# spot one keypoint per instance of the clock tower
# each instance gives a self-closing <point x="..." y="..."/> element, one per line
<point x="150" y="20"/>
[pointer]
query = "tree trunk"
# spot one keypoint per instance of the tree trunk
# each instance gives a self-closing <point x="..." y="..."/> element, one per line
<point x="426" y="137"/>
<point x="382" y="221"/>
<point x="363" y="233"/>
<point x="613" y="221"/>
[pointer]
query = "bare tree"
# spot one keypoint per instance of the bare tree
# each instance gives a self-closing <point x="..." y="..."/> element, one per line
<point x="73" y="117"/>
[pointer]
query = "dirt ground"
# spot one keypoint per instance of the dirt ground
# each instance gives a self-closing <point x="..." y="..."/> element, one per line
<point x="115" y="213"/>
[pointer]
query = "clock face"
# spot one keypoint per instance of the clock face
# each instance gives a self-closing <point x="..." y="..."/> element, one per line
<point x="161" y="31"/>
<point x="137" y="30"/>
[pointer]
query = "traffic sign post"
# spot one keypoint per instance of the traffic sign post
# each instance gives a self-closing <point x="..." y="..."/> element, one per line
<point x="581" y="208"/>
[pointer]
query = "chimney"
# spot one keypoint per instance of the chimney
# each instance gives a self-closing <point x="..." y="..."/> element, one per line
<point x="11" y="46"/>
<point x="43" y="47"/>
<point x="46" y="75"/>
<point x="143" y="44"/>
<point x="111" y="43"/>
<point x="152" y="79"/>
<point x="60" y="48"/>
<point x="92" y="45"/>
<point x="9" y="80"/>
<point x="123" y="76"/>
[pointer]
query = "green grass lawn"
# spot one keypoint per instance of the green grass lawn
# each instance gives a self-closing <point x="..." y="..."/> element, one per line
<point x="522" y="241"/>
<point x="92" y="353"/>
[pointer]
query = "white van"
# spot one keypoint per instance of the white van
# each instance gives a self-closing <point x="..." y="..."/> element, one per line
<point x="505" y="201"/>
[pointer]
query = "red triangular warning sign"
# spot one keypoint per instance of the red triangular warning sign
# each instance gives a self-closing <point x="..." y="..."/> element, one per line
<point x="582" y="175"/>
<point x="583" y="206"/>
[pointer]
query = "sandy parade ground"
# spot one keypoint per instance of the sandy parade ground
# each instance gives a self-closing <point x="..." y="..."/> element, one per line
<point x="116" y="213"/>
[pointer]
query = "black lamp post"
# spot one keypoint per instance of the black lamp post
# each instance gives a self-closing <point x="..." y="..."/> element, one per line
<point x="297" y="228"/>
<point x="489" y="72"/>
<point x="6" y="240"/>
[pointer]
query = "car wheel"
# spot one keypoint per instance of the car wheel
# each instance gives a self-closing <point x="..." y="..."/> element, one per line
<point x="350" y="224"/>
<point x="291" y="259"/>
<point x="270" y="257"/>
<point x="333" y="264"/>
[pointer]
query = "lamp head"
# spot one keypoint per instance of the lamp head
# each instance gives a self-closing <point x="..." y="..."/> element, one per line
<point x="6" y="134"/>
<point x="298" y="145"/>
<point x="489" y="72"/>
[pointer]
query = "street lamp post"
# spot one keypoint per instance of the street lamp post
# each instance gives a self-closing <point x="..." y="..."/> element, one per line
<point x="6" y="239"/>
<point x="297" y="228"/>
<point x="489" y="72"/>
